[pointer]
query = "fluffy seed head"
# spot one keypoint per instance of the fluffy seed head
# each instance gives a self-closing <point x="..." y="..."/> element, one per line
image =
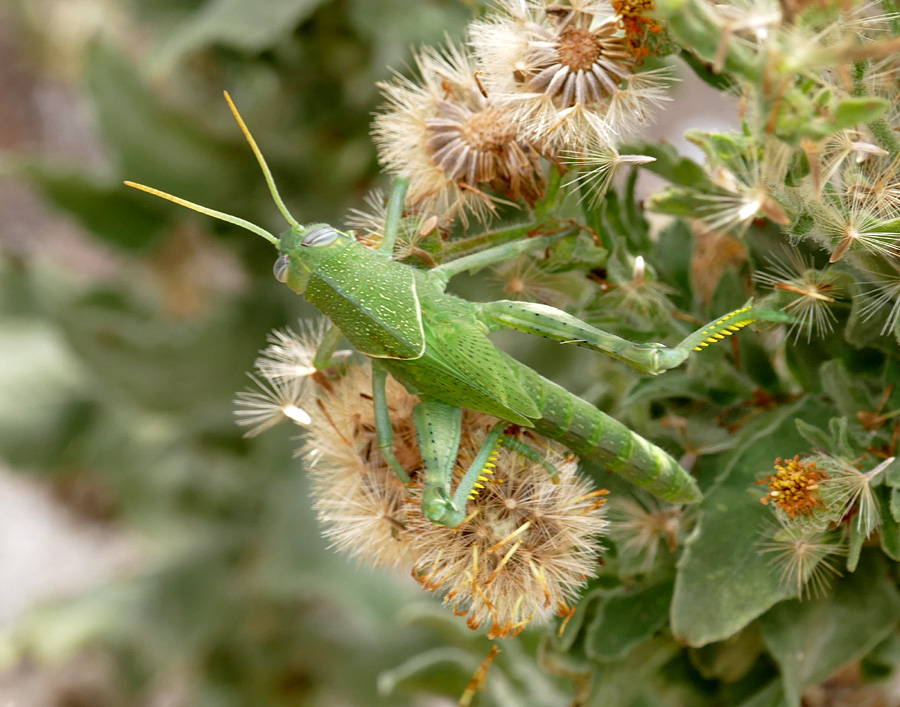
<point x="522" y="279"/>
<point x="811" y="291"/>
<point x="642" y="523"/>
<point x="566" y="69"/>
<point x="803" y="556"/>
<point x="524" y="549"/>
<point x="362" y="506"/>
<point x="271" y="402"/>
<point x="849" y="491"/>
<point x="882" y="293"/>
<point x="521" y="553"/>
<point x="453" y="142"/>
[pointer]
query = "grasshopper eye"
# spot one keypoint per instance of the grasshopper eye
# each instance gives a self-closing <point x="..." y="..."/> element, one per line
<point x="319" y="236"/>
<point x="280" y="269"/>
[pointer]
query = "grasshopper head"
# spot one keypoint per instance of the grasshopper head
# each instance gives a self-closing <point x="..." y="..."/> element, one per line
<point x="302" y="249"/>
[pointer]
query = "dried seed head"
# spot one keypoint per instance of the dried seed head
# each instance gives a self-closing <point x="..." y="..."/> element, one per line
<point x="363" y="507"/>
<point x="524" y="549"/>
<point x="812" y="292"/>
<point x="640" y="524"/>
<point x="566" y="69"/>
<point x="453" y="141"/>
<point x="803" y="556"/>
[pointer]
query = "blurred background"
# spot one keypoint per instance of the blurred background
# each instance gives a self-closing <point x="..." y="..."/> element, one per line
<point x="148" y="554"/>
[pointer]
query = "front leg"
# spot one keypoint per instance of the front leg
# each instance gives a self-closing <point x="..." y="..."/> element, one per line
<point x="384" y="432"/>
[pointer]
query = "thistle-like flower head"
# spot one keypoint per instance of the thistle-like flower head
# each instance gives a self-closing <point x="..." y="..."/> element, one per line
<point x="457" y="146"/>
<point x="567" y="69"/>
<point x="525" y="546"/>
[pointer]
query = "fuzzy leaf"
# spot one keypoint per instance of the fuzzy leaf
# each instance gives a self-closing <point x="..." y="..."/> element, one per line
<point x="817" y="437"/>
<point x="812" y="639"/>
<point x="890" y="528"/>
<point x="723" y="580"/>
<point x="854" y="551"/>
<point x="772" y="695"/>
<point x="626" y="620"/>
<point x="846" y="391"/>
<point x="851" y="111"/>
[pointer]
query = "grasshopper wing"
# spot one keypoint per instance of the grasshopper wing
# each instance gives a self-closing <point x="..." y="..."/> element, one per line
<point x="481" y="370"/>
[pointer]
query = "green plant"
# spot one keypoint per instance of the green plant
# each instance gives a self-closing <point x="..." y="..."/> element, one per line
<point x="785" y="572"/>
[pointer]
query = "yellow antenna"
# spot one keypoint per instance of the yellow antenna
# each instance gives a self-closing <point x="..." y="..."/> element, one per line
<point x="262" y="163"/>
<point x="208" y="212"/>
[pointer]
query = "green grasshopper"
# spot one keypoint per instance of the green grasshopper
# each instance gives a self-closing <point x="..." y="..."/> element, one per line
<point x="436" y="345"/>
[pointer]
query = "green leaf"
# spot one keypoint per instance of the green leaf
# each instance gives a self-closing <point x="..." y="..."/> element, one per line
<point x="110" y="211"/>
<point x="250" y="27"/>
<point x="572" y="252"/>
<point x="857" y="538"/>
<point x="626" y="620"/>
<point x="723" y="580"/>
<point x="817" y="437"/>
<point x="851" y="111"/>
<point x="772" y="695"/>
<point x="756" y="361"/>
<point x="683" y="202"/>
<point x="731" y="659"/>
<point x="810" y="640"/>
<point x="669" y="164"/>
<point x="890" y="528"/>
<point x="671" y="256"/>
<point x="623" y="681"/>
<point x="883" y="660"/>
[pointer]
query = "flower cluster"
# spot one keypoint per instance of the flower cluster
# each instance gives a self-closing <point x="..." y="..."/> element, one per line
<point x="819" y="500"/>
<point x="541" y="79"/>
<point x="795" y="487"/>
